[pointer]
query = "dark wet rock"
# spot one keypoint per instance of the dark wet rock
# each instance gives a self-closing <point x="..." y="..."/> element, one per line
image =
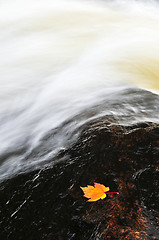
<point x="48" y="204"/>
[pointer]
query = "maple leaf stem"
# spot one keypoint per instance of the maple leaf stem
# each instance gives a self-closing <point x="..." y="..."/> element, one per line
<point x="111" y="192"/>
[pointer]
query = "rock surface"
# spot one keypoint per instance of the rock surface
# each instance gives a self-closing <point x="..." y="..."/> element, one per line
<point x="49" y="204"/>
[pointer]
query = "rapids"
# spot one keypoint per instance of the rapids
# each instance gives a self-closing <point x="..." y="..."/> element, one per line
<point x="61" y="61"/>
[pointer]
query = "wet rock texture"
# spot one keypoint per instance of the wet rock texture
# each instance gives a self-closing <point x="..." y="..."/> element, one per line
<point x="49" y="204"/>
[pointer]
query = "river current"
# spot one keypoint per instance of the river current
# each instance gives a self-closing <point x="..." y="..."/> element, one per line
<point x="66" y="62"/>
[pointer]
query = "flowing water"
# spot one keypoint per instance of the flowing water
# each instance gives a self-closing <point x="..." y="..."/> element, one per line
<point x="65" y="62"/>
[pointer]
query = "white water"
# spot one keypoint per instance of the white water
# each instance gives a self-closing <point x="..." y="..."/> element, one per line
<point x="59" y="57"/>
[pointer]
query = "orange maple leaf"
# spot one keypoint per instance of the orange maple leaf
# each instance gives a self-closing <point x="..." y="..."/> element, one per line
<point x="95" y="193"/>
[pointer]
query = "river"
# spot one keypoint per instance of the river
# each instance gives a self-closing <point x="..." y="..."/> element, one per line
<point x="66" y="62"/>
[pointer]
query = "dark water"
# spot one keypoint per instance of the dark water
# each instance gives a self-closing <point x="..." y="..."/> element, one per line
<point x="70" y="78"/>
<point x="48" y="203"/>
